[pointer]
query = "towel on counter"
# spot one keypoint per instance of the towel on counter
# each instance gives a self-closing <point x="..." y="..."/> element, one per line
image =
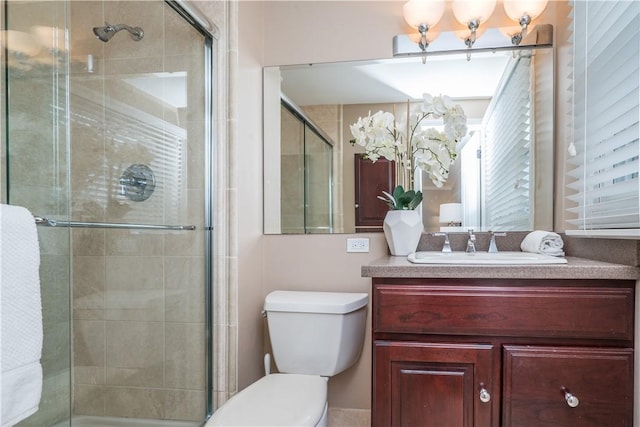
<point x="543" y="242"/>
<point x="20" y="314"/>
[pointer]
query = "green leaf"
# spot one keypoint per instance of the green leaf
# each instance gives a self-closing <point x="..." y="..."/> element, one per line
<point x="402" y="200"/>
<point x="398" y="192"/>
<point x="405" y="199"/>
<point x="416" y="200"/>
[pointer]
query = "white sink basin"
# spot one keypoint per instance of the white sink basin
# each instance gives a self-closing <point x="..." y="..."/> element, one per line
<point x="484" y="258"/>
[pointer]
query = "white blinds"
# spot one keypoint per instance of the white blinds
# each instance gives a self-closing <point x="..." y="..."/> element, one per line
<point x="602" y="178"/>
<point x="506" y="153"/>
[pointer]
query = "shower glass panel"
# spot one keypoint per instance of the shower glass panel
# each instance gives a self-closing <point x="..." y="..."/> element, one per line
<point x="108" y="141"/>
<point x="37" y="177"/>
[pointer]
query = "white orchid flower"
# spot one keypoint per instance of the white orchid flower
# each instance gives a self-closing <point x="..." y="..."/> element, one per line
<point x="428" y="149"/>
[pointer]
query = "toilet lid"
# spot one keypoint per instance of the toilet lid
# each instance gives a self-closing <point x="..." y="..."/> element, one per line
<point x="275" y="400"/>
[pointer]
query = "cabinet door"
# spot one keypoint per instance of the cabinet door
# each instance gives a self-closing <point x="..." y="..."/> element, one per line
<point x="565" y="386"/>
<point x="433" y="385"/>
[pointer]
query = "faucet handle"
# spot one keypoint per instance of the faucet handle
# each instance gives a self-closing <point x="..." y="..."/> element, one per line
<point x="493" y="248"/>
<point x="447" y="244"/>
<point x="472" y="236"/>
<point x="471" y="243"/>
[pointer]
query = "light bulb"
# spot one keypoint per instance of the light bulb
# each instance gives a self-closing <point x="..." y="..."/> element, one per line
<point x="523" y="12"/>
<point x="516" y="9"/>
<point x="471" y="13"/>
<point x="467" y="11"/>
<point x="427" y="12"/>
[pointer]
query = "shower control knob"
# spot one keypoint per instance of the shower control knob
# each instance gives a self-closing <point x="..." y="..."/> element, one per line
<point x="137" y="183"/>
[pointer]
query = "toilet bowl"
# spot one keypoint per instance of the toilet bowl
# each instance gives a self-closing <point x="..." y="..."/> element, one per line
<point x="277" y="400"/>
<point x="314" y="335"/>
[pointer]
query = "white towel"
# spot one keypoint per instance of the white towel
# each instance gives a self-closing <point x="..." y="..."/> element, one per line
<point x="20" y="314"/>
<point x="543" y="242"/>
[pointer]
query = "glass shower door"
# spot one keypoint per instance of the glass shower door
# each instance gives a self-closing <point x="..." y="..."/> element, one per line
<point x="138" y="148"/>
<point x="108" y="140"/>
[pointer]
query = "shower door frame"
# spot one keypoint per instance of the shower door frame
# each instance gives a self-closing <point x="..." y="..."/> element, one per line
<point x="210" y="39"/>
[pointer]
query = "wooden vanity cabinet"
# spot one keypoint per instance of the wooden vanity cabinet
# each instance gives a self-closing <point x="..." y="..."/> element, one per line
<point x="488" y="353"/>
<point x="432" y="384"/>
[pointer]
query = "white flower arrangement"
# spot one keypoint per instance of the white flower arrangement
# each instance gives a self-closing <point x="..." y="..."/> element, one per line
<point x="431" y="150"/>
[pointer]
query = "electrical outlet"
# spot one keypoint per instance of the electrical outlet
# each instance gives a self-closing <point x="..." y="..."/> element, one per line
<point x="358" y="245"/>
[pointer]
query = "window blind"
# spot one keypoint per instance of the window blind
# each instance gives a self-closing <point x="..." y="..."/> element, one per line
<point x="603" y="190"/>
<point x="506" y="152"/>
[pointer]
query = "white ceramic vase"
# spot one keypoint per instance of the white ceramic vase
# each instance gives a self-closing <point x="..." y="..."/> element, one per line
<point x="402" y="229"/>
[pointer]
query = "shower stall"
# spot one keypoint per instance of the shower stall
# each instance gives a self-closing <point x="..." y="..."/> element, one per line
<point x="107" y="139"/>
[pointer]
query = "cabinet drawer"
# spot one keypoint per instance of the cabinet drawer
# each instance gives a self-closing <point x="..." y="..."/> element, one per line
<point x="600" y="379"/>
<point x="518" y="311"/>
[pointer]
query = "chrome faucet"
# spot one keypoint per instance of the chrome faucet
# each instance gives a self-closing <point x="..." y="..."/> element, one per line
<point x="471" y="243"/>
<point x="493" y="248"/>
<point x="447" y="245"/>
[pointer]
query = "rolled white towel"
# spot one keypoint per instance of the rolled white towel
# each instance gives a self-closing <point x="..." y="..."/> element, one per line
<point x="543" y="242"/>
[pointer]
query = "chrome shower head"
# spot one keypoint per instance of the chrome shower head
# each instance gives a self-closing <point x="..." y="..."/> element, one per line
<point x="108" y="31"/>
<point x="104" y="33"/>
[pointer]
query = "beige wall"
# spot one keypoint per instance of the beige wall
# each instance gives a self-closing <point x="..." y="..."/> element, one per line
<point x="247" y="149"/>
<point x="278" y="33"/>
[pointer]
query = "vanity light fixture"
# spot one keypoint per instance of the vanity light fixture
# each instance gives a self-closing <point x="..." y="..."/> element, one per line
<point x="423" y="15"/>
<point x="523" y="12"/>
<point x="472" y="13"/>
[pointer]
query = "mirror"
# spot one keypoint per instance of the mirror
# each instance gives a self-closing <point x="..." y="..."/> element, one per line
<point x="317" y="182"/>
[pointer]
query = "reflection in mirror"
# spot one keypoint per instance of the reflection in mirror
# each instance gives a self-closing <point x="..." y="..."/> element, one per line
<point x="306" y="164"/>
<point x="502" y="178"/>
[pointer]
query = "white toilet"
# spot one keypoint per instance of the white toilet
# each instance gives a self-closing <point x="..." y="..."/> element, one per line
<point x="314" y="335"/>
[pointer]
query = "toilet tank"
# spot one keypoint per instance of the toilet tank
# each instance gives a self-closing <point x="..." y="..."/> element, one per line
<point x="316" y="333"/>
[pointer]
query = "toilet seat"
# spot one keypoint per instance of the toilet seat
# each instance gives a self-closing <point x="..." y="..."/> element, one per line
<point x="275" y="400"/>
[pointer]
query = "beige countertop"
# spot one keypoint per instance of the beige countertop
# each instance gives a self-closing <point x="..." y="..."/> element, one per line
<point x="576" y="268"/>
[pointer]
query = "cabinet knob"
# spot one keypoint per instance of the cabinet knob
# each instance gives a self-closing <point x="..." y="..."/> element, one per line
<point x="485" y="396"/>
<point x="572" y="400"/>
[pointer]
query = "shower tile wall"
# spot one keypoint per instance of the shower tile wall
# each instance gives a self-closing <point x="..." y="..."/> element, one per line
<point x="138" y="296"/>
